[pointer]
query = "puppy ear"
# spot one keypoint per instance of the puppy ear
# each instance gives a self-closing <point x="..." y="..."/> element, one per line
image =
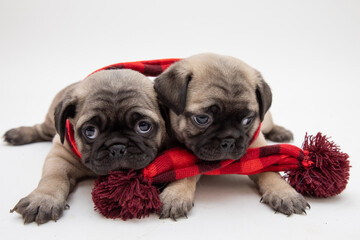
<point x="64" y="110"/>
<point x="171" y="88"/>
<point x="164" y="111"/>
<point x="263" y="96"/>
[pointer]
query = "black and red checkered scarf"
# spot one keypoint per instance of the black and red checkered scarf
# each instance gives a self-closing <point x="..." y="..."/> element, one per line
<point x="178" y="163"/>
<point x="319" y="169"/>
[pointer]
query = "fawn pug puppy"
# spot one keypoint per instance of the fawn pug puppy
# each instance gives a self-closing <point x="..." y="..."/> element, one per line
<point x="117" y="125"/>
<point x="216" y="105"/>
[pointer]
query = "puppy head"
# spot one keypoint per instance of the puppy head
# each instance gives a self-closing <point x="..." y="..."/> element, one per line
<point x="116" y="120"/>
<point x="216" y="103"/>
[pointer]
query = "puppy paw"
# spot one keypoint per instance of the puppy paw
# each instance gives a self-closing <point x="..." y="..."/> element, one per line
<point x="175" y="204"/>
<point x="286" y="201"/>
<point x="279" y="134"/>
<point x="19" y="136"/>
<point x="40" y="208"/>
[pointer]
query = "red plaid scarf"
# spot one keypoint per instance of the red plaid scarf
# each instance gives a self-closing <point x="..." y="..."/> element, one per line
<point x="150" y="68"/>
<point x="178" y="163"/>
<point x="320" y="170"/>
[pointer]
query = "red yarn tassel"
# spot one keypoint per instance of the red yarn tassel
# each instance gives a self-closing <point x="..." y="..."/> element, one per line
<point x="125" y="195"/>
<point x="324" y="172"/>
<point x="329" y="174"/>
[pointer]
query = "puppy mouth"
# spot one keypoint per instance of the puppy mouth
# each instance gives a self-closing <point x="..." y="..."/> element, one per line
<point x="137" y="161"/>
<point x="206" y="156"/>
<point x="100" y="171"/>
<point x="213" y="154"/>
<point x="102" y="164"/>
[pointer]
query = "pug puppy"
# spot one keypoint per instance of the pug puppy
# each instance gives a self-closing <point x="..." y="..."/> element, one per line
<point x="117" y="125"/>
<point x="216" y="105"/>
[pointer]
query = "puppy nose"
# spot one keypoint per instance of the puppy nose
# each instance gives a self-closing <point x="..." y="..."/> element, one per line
<point x="117" y="150"/>
<point x="227" y="144"/>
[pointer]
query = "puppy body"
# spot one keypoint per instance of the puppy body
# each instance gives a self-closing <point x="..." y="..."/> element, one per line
<point x="110" y="112"/>
<point x="216" y="104"/>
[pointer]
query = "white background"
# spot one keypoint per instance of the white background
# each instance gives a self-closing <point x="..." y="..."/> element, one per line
<point x="308" y="52"/>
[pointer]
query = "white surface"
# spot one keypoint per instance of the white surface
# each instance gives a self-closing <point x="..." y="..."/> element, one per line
<point x="308" y="51"/>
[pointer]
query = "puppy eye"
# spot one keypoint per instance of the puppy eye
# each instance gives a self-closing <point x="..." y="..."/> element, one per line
<point x="247" y="121"/>
<point x="91" y="132"/>
<point x="201" y="119"/>
<point x="143" y="127"/>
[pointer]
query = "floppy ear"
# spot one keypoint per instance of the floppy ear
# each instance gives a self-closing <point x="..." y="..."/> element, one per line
<point x="171" y="88"/>
<point x="164" y="111"/>
<point x="64" y="110"/>
<point x="263" y="96"/>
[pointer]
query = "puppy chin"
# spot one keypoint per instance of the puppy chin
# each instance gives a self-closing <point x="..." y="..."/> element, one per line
<point x="100" y="171"/>
<point x="134" y="162"/>
<point x="137" y="162"/>
<point x="220" y="156"/>
<point x="216" y="154"/>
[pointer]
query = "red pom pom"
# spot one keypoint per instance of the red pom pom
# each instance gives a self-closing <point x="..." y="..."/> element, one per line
<point x="329" y="174"/>
<point x="125" y="194"/>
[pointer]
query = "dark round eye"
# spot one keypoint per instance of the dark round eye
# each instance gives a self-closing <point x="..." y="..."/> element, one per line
<point x="143" y="127"/>
<point x="247" y="121"/>
<point x="201" y="119"/>
<point x="91" y="132"/>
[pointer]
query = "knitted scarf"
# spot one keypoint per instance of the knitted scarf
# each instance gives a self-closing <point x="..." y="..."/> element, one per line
<point x="320" y="169"/>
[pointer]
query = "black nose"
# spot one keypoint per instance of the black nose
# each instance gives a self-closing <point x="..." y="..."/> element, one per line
<point x="117" y="150"/>
<point x="227" y="144"/>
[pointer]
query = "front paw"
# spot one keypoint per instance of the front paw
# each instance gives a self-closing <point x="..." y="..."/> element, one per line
<point x="286" y="201"/>
<point x="279" y="134"/>
<point x="40" y="208"/>
<point x="175" y="204"/>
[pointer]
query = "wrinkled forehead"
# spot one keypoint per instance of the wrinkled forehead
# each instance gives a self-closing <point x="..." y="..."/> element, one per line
<point x="117" y="99"/>
<point x="223" y="103"/>
<point x="121" y="111"/>
<point x="228" y="91"/>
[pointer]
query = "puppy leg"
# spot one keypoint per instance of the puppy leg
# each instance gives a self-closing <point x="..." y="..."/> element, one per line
<point x="278" y="194"/>
<point x="37" y="133"/>
<point x="48" y="200"/>
<point x="178" y="198"/>
<point x="275" y="191"/>
<point x="274" y="132"/>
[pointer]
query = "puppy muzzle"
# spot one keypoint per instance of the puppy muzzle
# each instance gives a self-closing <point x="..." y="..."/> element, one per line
<point x="116" y="151"/>
<point x="227" y="145"/>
